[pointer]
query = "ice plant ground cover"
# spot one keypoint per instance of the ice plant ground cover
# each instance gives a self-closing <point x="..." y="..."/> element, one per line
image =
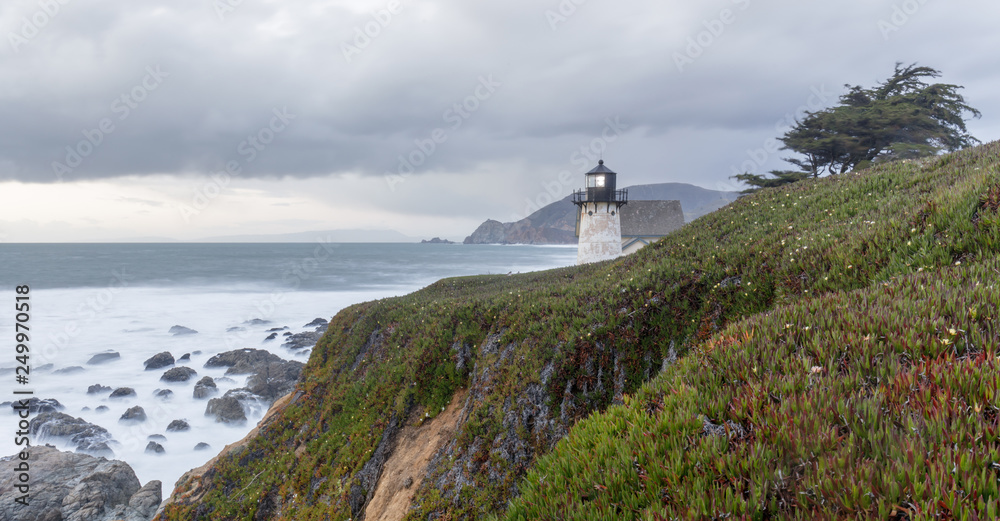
<point x="836" y="357"/>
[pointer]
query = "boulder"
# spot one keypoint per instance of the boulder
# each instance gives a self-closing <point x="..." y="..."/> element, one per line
<point x="178" y="374"/>
<point x="69" y="370"/>
<point x="242" y="361"/>
<point x="156" y="437"/>
<point x="205" y="388"/>
<point x="178" y="426"/>
<point x="133" y="415"/>
<point x="102" y="408"/>
<point x="77" y="487"/>
<point x="318" y="322"/>
<point x="275" y="379"/>
<point x="154" y="448"/>
<point x="272" y="336"/>
<point x="275" y="329"/>
<point x="186" y="357"/>
<point x="159" y="361"/>
<point x="98" y="389"/>
<point x="181" y="330"/>
<point x="122" y="393"/>
<point x="202" y="446"/>
<point x="303" y="340"/>
<point x="103" y="358"/>
<point x="235" y="329"/>
<point x="37" y="406"/>
<point x="87" y="437"/>
<point x="257" y="322"/>
<point x="226" y="409"/>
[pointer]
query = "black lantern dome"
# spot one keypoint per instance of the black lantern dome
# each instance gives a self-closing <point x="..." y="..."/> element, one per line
<point x="601" y="187"/>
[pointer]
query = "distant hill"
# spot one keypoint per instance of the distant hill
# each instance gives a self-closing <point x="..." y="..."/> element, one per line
<point x="556" y="223"/>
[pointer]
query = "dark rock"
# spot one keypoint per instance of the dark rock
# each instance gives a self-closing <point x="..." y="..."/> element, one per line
<point x="186" y="357"/>
<point x="195" y="353"/>
<point x="178" y="426"/>
<point x="159" y="361"/>
<point x="242" y="361"/>
<point x="85" y="409"/>
<point x="122" y="392"/>
<point x="181" y="330"/>
<point x="178" y="374"/>
<point x="102" y="408"/>
<point x="98" y="389"/>
<point x="103" y="358"/>
<point x="302" y="340"/>
<point x="272" y="336"/>
<point x="37" y="405"/>
<point x="226" y="410"/>
<point x="437" y="240"/>
<point x="156" y="437"/>
<point x="317" y="322"/>
<point x="87" y="437"/>
<point x="257" y="322"/>
<point x="274" y="380"/>
<point x="163" y="394"/>
<point x="154" y="448"/>
<point x="133" y="415"/>
<point x="69" y="370"/>
<point x="205" y="388"/>
<point x="202" y="446"/>
<point x="235" y="329"/>
<point x="287" y="333"/>
<point x="274" y="329"/>
<point x="77" y="487"/>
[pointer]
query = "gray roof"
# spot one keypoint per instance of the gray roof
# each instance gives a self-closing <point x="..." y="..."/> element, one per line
<point x="651" y="218"/>
<point x="601" y="169"/>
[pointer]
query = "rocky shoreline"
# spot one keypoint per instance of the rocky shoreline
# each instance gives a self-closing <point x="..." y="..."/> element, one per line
<point x="88" y="483"/>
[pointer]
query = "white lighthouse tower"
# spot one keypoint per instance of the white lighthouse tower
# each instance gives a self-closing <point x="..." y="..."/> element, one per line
<point x="599" y="217"/>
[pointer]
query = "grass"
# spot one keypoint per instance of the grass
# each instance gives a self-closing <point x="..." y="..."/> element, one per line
<point x="879" y="266"/>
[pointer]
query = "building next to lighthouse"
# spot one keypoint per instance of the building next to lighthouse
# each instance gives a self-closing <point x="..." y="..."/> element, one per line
<point x="609" y="225"/>
<point x="600" y="226"/>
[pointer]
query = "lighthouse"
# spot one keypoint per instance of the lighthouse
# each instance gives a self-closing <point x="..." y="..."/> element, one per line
<point x="600" y="226"/>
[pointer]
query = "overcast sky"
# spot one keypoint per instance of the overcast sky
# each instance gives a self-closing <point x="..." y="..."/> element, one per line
<point x="194" y="118"/>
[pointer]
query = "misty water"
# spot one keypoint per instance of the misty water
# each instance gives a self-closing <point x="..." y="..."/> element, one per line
<point x="88" y="299"/>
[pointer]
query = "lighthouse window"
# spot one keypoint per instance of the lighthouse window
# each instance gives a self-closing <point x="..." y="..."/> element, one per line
<point x="600" y="181"/>
<point x="595" y="181"/>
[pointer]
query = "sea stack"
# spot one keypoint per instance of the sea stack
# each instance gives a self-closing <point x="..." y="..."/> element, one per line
<point x="599" y="220"/>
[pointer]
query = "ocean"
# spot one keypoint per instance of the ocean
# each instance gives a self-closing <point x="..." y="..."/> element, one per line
<point x="87" y="299"/>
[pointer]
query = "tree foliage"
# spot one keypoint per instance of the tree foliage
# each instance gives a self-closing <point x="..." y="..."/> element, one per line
<point x="903" y="117"/>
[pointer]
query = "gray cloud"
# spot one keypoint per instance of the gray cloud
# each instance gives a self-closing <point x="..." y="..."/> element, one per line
<point x="559" y="76"/>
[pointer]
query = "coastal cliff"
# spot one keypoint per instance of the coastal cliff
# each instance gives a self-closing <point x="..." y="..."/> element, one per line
<point x="673" y="343"/>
